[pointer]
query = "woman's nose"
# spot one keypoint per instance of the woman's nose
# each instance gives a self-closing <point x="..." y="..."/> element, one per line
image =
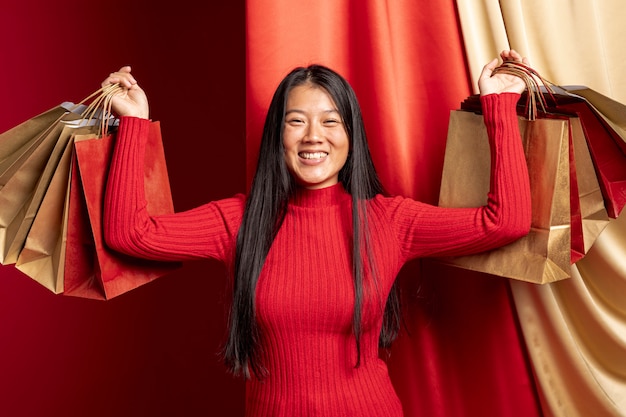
<point x="314" y="133"/>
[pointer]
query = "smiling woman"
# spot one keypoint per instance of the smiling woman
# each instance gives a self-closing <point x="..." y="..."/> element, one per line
<point x="316" y="245"/>
<point x="315" y="138"/>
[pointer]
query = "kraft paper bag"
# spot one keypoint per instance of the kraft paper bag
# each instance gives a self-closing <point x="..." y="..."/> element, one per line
<point x="20" y="186"/>
<point x="41" y="256"/>
<point x="543" y="255"/>
<point x="92" y="270"/>
<point x="19" y="141"/>
<point x="26" y="150"/>
<point x="23" y="220"/>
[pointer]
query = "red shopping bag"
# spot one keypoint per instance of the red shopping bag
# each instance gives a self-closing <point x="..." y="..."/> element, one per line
<point x="92" y="270"/>
<point x="608" y="159"/>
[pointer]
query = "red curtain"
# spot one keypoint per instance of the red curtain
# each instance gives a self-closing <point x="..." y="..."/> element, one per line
<point x="461" y="353"/>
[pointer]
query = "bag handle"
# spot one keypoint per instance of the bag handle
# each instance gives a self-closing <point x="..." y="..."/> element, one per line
<point x="99" y="108"/>
<point x="534" y="81"/>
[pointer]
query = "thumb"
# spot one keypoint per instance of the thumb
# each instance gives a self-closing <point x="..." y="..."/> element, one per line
<point x="488" y="68"/>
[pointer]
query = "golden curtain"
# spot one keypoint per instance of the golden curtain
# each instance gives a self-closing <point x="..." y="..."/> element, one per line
<point x="575" y="330"/>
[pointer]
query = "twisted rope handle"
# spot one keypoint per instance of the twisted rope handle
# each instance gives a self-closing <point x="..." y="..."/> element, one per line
<point x="533" y="81"/>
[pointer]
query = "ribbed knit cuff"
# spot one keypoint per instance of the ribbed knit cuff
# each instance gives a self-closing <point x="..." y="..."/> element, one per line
<point x="133" y="128"/>
<point x="499" y="112"/>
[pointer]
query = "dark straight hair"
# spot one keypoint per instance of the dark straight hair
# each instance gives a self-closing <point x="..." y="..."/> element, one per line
<point x="265" y="210"/>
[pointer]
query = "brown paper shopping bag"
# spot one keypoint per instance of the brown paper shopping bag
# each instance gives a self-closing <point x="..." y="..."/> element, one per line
<point x="544" y="254"/>
<point x="41" y="256"/>
<point x="20" y="141"/>
<point x="20" y="186"/>
<point x="23" y="220"/>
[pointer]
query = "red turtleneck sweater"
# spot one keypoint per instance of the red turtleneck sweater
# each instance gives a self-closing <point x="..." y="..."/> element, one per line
<point x="305" y="293"/>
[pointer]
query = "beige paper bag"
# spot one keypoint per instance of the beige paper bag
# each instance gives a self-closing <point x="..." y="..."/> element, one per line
<point x="19" y="141"/>
<point x="544" y="254"/>
<point x="42" y="258"/>
<point x="21" y="185"/>
<point x="25" y="217"/>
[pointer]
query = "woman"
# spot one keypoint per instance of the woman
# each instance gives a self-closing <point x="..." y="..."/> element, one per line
<point x="316" y="245"/>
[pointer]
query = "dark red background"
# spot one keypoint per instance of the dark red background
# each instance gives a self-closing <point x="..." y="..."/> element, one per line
<point x="153" y="351"/>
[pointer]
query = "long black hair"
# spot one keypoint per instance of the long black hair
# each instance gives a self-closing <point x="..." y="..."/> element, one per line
<point x="265" y="210"/>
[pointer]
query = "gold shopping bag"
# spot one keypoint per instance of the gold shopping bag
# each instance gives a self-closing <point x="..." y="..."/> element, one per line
<point x="544" y="254"/>
<point x="42" y="254"/>
<point x="20" y="141"/>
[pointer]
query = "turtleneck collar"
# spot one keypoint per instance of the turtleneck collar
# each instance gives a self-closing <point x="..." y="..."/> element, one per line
<point x="323" y="197"/>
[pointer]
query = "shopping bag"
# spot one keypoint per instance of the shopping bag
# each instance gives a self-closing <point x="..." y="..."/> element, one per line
<point x="42" y="255"/>
<point x="19" y="186"/>
<point x="601" y="119"/>
<point x="612" y="112"/>
<point x="54" y="207"/>
<point x="591" y="206"/>
<point x="28" y="153"/>
<point x="588" y="215"/>
<point x="608" y="160"/>
<point x="16" y="234"/>
<point x="544" y="254"/>
<point x="577" y="177"/>
<point x="92" y="270"/>
<point x="19" y="141"/>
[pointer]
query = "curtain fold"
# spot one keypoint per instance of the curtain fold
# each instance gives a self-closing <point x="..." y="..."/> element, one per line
<point x="575" y="330"/>
<point x="570" y="42"/>
<point x="461" y="354"/>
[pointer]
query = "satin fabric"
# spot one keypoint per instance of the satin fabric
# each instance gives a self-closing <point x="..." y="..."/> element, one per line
<point x="460" y="353"/>
<point x="575" y="330"/>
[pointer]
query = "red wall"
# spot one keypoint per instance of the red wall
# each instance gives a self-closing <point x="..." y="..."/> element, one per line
<point x="153" y="351"/>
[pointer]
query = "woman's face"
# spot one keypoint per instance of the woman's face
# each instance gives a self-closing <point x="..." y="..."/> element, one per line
<point x="314" y="136"/>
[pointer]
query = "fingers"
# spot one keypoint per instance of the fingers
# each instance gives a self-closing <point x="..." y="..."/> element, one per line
<point x="122" y="77"/>
<point x="511" y="55"/>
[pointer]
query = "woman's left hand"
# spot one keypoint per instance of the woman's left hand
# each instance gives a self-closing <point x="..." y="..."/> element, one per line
<point x="488" y="83"/>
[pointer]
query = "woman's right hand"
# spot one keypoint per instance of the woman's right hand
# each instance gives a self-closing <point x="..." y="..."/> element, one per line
<point x="132" y="100"/>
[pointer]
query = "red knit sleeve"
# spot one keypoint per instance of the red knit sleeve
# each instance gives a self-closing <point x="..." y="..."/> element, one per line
<point x="208" y="231"/>
<point x="426" y="230"/>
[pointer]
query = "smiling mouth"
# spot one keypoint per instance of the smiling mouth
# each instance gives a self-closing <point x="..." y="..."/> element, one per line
<point x="313" y="155"/>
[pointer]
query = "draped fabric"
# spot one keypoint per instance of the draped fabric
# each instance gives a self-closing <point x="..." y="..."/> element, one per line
<point x="460" y="353"/>
<point x="570" y="42"/>
<point x="575" y="330"/>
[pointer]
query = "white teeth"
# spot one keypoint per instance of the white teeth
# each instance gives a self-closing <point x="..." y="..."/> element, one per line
<point x="313" y="155"/>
